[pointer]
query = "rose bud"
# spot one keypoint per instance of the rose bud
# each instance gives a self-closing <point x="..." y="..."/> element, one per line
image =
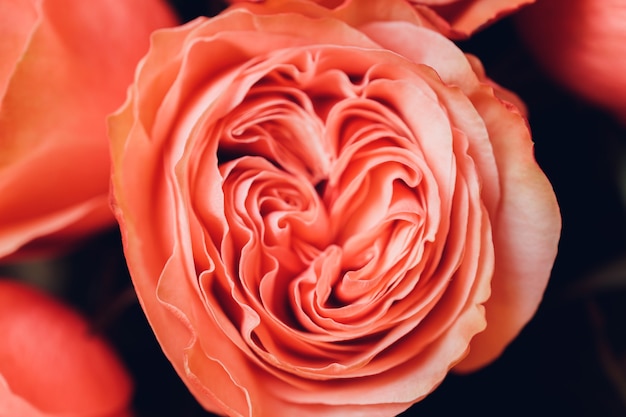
<point x="50" y="363"/>
<point x="64" y="65"/>
<point x="581" y="44"/>
<point x="323" y="214"/>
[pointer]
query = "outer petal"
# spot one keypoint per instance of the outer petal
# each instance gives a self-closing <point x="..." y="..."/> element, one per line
<point x="353" y="12"/>
<point x="458" y="19"/>
<point x="527" y="228"/>
<point x="14" y="405"/>
<point x="15" y="33"/>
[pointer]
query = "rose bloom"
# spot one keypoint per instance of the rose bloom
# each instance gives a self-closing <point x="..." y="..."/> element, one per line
<point x="64" y="65"/>
<point x="582" y="45"/>
<point x="324" y="220"/>
<point x="50" y="362"/>
<point x="457" y="19"/>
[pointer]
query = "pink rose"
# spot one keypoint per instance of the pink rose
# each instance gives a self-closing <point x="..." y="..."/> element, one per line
<point x="51" y="364"/>
<point x="64" y="65"/>
<point x="582" y="45"/>
<point x="323" y="220"/>
<point x="457" y="19"/>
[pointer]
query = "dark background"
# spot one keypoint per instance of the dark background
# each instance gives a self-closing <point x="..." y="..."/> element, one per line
<point x="571" y="358"/>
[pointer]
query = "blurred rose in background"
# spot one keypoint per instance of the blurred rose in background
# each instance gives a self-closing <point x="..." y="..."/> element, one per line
<point x="51" y="364"/>
<point x="581" y="44"/>
<point x="64" y="65"/>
